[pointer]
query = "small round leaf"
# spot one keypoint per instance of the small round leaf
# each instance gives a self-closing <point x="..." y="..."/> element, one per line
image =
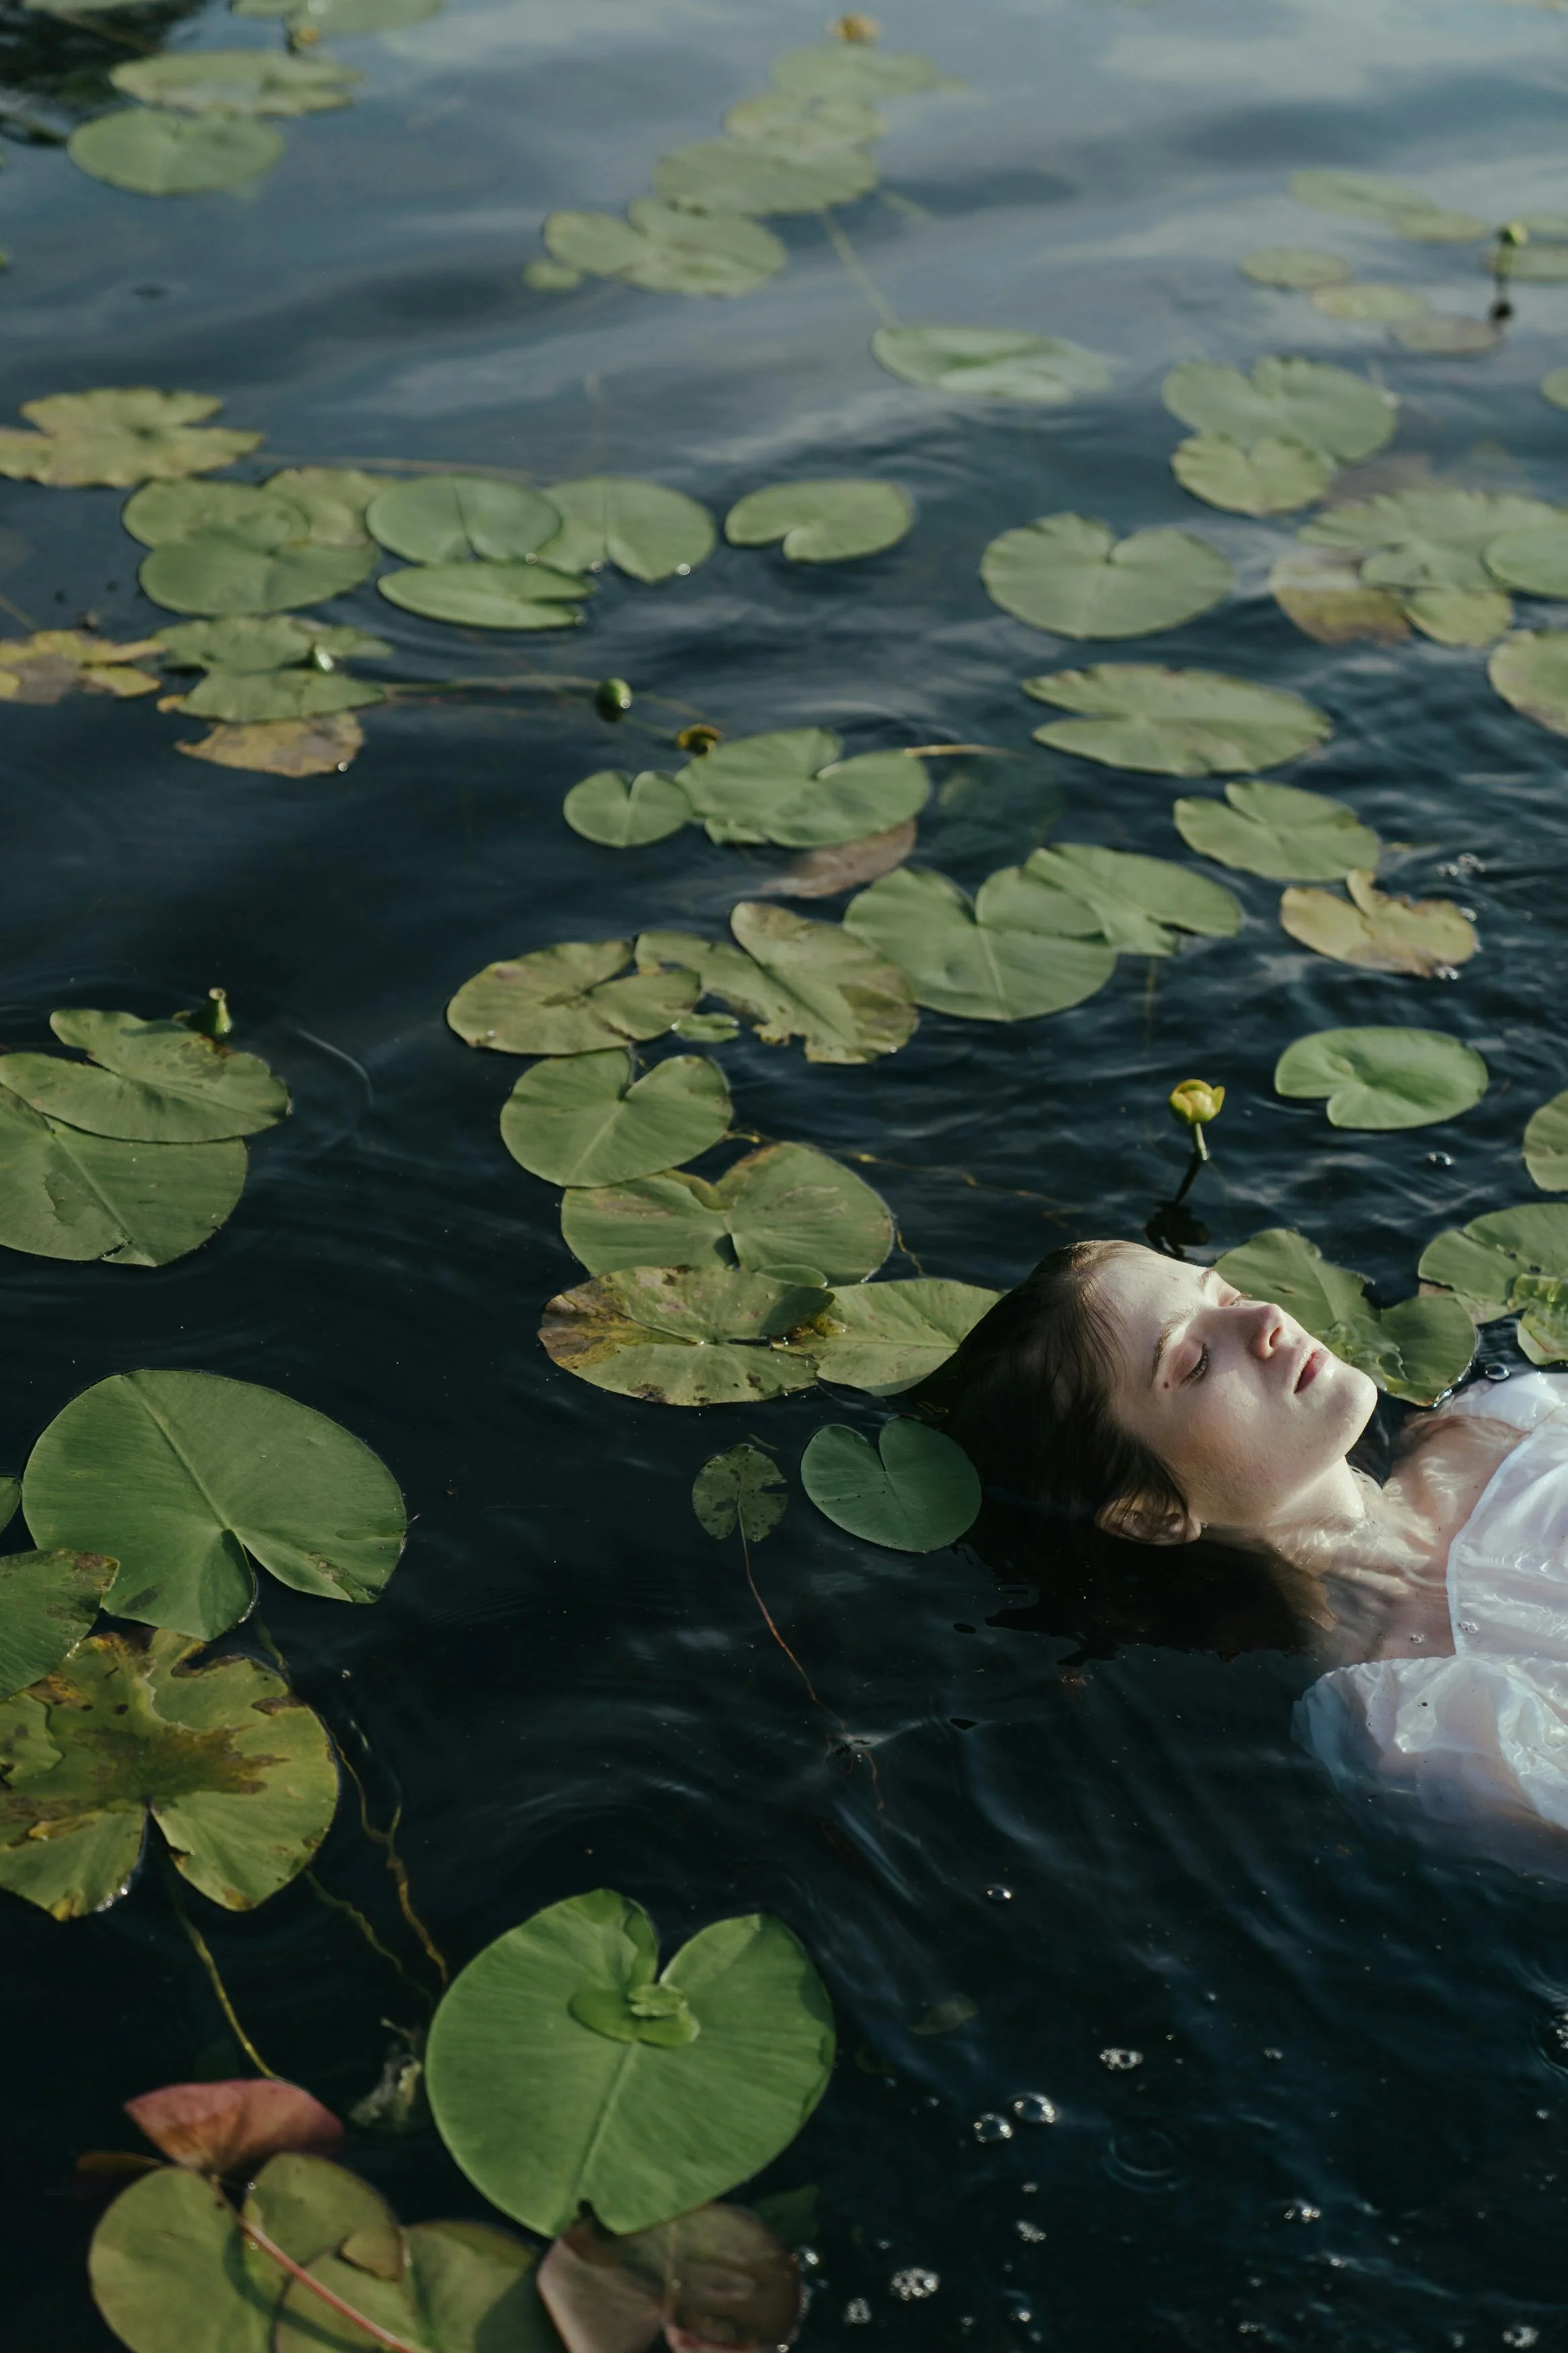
<point x="1383" y="1078"/>
<point x="915" y="1490"/>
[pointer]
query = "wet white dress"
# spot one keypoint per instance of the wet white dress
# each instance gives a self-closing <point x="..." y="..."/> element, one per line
<point x="1480" y="1738"/>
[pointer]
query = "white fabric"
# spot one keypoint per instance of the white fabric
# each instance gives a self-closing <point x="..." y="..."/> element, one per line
<point x="1482" y="1734"/>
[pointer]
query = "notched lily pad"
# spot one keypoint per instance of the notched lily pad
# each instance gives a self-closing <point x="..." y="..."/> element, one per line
<point x="456" y="518"/>
<point x="822" y="522"/>
<point x="1426" y="539"/>
<point x="787" y="1205"/>
<point x="682" y="1335"/>
<point x="991" y="362"/>
<point x="1425" y="937"/>
<point x="67" y="1194"/>
<point x="148" y="1082"/>
<point x="795" y="978"/>
<point x="641" y="528"/>
<point x="1307" y="401"/>
<point x="742" y="1488"/>
<point x="1383" y="1078"/>
<point x="489" y="595"/>
<point x="1514" y="1261"/>
<point x="1277" y="831"/>
<point x="665" y="249"/>
<point x="152" y="151"/>
<point x="1072" y="576"/>
<point x="1174" y="722"/>
<point x="581" y="1120"/>
<point x="1274" y="477"/>
<point x="915" y="1490"/>
<point x="1546" y="1145"/>
<point x="236" y="82"/>
<point x="791" y="786"/>
<point x="889" y="1336"/>
<point x="250" y="698"/>
<point x="999" y="958"/>
<point x="1530" y="670"/>
<point x="624" y="812"/>
<point x="215" y="572"/>
<point x="571" y="1000"/>
<point x="119" y="435"/>
<point x="1416" y="1350"/>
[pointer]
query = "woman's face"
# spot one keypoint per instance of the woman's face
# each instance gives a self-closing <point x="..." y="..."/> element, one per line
<point x="1252" y="1416"/>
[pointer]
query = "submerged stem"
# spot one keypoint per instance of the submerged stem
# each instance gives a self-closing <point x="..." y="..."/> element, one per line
<point x="387" y="1841"/>
<point x="270" y="2248"/>
<point x="340" y="1904"/>
<point x="858" y="270"/>
<point x="203" y="1954"/>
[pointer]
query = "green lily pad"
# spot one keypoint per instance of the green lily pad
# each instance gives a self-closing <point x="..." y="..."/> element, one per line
<point x="787" y="1205"/>
<point x="1323" y="407"/>
<point x="1274" y="477"/>
<point x="1445" y="333"/>
<point x="889" y="1336"/>
<point x="1366" y="298"/>
<point x="1514" y="1261"/>
<point x="1427" y="539"/>
<point x="1555" y="387"/>
<point x="236" y="1773"/>
<point x="708" y="1029"/>
<point x="252" y="642"/>
<point x="1539" y="263"/>
<point x="1417" y="1350"/>
<point x="182" y="1475"/>
<point x="1383" y="1078"/>
<point x="1458" y="616"/>
<point x="791" y="123"/>
<point x="666" y="248"/>
<point x="333" y="501"/>
<point x="544" y="2114"/>
<point x="1390" y="204"/>
<point x="991" y="362"/>
<point x="682" y="1335"/>
<point x="791" y="788"/>
<point x="1530" y="670"/>
<point x="742" y="1489"/>
<point x="1174" y="722"/>
<point x="256" y="518"/>
<point x="915" y="1490"/>
<point x="1277" y="831"/>
<point x="1297" y="266"/>
<point x="488" y="595"/>
<point x="149" y="1081"/>
<point x="1137" y="905"/>
<point x="236" y="82"/>
<point x="1546" y="1145"/>
<point x="640" y="527"/>
<point x="169" y="2272"/>
<point x="566" y="1000"/>
<point x="452" y="518"/>
<point x="581" y="1121"/>
<point x="119" y="435"/>
<point x="461" y="2286"/>
<point x="154" y="152"/>
<point x="988" y="961"/>
<point x="1534" y="562"/>
<point x="743" y="175"/>
<point x="624" y="812"/>
<point x="852" y="70"/>
<point x="212" y="572"/>
<point x="247" y="698"/>
<point x="47" y="1603"/>
<point x="1322" y="592"/>
<point x="797" y="980"/>
<point x="1072" y="576"/>
<point x="330" y="16"/>
<point x="822" y="522"/>
<point x="1425" y="937"/>
<point x="67" y="1194"/>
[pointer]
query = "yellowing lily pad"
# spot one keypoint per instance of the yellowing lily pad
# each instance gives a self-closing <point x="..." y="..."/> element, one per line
<point x="119" y="435"/>
<point x="572" y="999"/>
<point x="683" y="1335"/>
<point x="797" y="979"/>
<point x="1426" y="937"/>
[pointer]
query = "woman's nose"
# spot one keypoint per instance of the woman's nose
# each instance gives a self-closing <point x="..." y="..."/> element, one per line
<point x="1267" y="1325"/>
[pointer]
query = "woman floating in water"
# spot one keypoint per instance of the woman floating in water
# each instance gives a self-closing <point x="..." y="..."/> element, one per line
<point x="1185" y="1458"/>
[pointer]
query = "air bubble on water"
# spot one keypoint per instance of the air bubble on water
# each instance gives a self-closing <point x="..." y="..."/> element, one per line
<point x="809" y="2259"/>
<point x="1119" y="2062"/>
<point x="856" y="2312"/>
<point x="1020" y="2314"/>
<point x="1034" y="2108"/>
<point x="1030" y="2233"/>
<point x="1523" y="2335"/>
<point x="990" y="2128"/>
<point x="912" y="2285"/>
<point x="999" y="1895"/>
<point x="1299" y="2211"/>
<point x="1439" y="1160"/>
<point x="1269" y="2052"/>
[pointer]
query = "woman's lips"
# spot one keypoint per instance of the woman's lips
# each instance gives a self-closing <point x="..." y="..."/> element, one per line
<point x="1312" y="1365"/>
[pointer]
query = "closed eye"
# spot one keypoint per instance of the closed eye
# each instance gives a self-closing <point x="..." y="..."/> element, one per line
<point x="1200" y="1368"/>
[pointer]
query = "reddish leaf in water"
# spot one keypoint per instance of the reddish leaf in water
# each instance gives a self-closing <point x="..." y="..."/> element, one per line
<point x="224" y="2127"/>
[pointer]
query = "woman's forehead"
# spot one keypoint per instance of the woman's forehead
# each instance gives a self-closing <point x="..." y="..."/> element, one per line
<point x="1139" y="1286"/>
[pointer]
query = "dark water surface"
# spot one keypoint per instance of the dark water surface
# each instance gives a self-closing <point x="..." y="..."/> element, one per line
<point x="567" y="1684"/>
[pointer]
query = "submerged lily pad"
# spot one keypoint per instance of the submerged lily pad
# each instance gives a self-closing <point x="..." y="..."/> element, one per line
<point x="545" y="2112"/>
<point x="743" y="175"/>
<point x="640" y="527"/>
<point x="1531" y="671"/>
<point x="166" y="510"/>
<point x="581" y="1121"/>
<point x="666" y="248"/>
<point x="1555" y="387"/>
<point x="150" y="1082"/>
<point x="1427" y="539"/>
<point x="1325" y="408"/>
<point x="330" y="16"/>
<point x="791" y="788"/>
<point x="992" y="961"/>
<point x="991" y="362"/>
<point x="1274" y="477"/>
<point x="743" y="1489"/>
<point x="52" y="663"/>
<point x="236" y="82"/>
<point x="915" y="1490"/>
<point x="1383" y="1078"/>
<point x="1174" y="722"/>
<point x="1322" y="592"/>
<point x="1417" y="1350"/>
<point x="1297" y="266"/>
<point x="1546" y="1145"/>
<point x="1444" y="333"/>
<point x="889" y="1336"/>
<point x="332" y="500"/>
<point x="284" y="747"/>
<point x="1514" y="1261"/>
<point x="682" y="1335"/>
<point x="234" y="1769"/>
<point x="212" y="572"/>
<point x="119" y="435"/>
<point x="489" y="595"/>
<point x="1072" y="576"/>
<point x="852" y="70"/>
<point x="1426" y="937"/>
<point x="623" y="811"/>
<point x="797" y="980"/>
<point x="154" y="152"/>
<point x="184" y="1475"/>
<point x="792" y="122"/>
<point x="47" y="1603"/>
<point x="787" y="1205"/>
<point x="1366" y="298"/>
<point x="452" y="518"/>
<point x="571" y="1000"/>
<point x="249" y="697"/>
<point x="70" y="1195"/>
<point x="1391" y="204"/>
<point x="1277" y="831"/>
<point x="822" y="522"/>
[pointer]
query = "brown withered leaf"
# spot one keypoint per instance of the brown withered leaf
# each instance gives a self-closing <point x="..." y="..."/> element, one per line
<point x="224" y="2128"/>
<point x="1425" y="937"/>
<point x="53" y="664"/>
<point x="284" y="747"/>
<point x="842" y="865"/>
<point x="1322" y="592"/>
<point x="717" y="2276"/>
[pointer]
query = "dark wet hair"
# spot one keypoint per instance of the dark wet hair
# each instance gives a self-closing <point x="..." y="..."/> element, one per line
<point x="1027" y="1396"/>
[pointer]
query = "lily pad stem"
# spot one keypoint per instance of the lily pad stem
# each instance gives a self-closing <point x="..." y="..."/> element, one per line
<point x="269" y="2247"/>
<point x="203" y="1954"/>
<point x="387" y="1841"/>
<point x="1200" y="1154"/>
<point x="767" y="1617"/>
<point x="858" y="270"/>
<point x="340" y="1904"/>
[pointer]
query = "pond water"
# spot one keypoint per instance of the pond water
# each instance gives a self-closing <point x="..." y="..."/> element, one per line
<point x="1349" y="2112"/>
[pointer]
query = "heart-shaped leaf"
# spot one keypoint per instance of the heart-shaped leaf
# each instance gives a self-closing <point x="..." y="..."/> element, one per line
<point x="887" y="1337"/>
<point x="744" y="175"/>
<point x="1514" y="1261"/>
<point x="67" y="1194"/>
<point x="641" y="528"/>
<point x="1546" y="1145"/>
<point x="1005" y="958"/>
<point x="1323" y="407"/>
<point x="822" y="522"/>
<point x="154" y="152"/>
<point x="149" y="1081"/>
<point x="1072" y="576"/>
<point x="489" y="595"/>
<point x="582" y="1121"/>
<point x="1139" y="905"/>
<point x="678" y="1336"/>
<point x="915" y="1490"/>
<point x="1530" y="672"/>
<point x="214" y="572"/>
<point x="1273" y="477"/>
<point x="566" y="1000"/>
<point x="236" y="82"/>
<point x="666" y="248"/>
<point x="1427" y="539"/>
<point x="787" y="1205"/>
<point x="456" y="517"/>
<point x="160" y="511"/>
<point x="742" y="1488"/>
<point x="1426" y="937"/>
<point x="1383" y="1078"/>
<point x="791" y="786"/>
<point x="991" y="362"/>
<point x="1174" y="722"/>
<point x="1277" y="831"/>
<point x="624" y="811"/>
<point x="797" y="978"/>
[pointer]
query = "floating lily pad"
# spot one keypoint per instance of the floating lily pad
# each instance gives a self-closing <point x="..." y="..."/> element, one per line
<point x="797" y="980"/>
<point x="640" y="527"/>
<point x="791" y="788"/>
<point x="1426" y="937"/>
<point x="284" y="747"/>
<point x="1138" y="903"/>
<point x="1531" y="671"/>
<point x="743" y="175"/>
<point x="843" y="866"/>
<point x="1324" y="407"/>
<point x="236" y="82"/>
<point x="666" y="248"/>
<point x="70" y="1195"/>
<point x="989" y="961"/>
<point x="1383" y="1078"/>
<point x="254" y="642"/>
<point x="236" y="1773"/>
<point x="544" y="2112"/>
<point x="1555" y="387"/>
<point x="793" y="122"/>
<point x="624" y="811"/>
<point x="150" y="1082"/>
<point x="1533" y="561"/>
<point x="1072" y="576"/>
<point x="211" y="572"/>
<point x="548" y="277"/>
<point x="169" y="2270"/>
<point x="489" y="595"/>
<point x="1460" y="617"/>
<point x="460" y="2285"/>
<point x="1277" y="831"/>
<point x="822" y="522"/>
<point x="1391" y="204"/>
<point x="1298" y="267"/>
<point x="1417" y="1350"/>
<point x="852" y="70"/>
<point x="154" y="152"/>
<point x="1514" y="1261"/>
<point x="682" y="1335"/>
<point x="581" y="1120"/>
<point x="1274" y="477"/>
<point x="248" y="698"/>
<point x="571" y="1000"/>
<point x="47" y="1603"/>
<point x="1427" y="539"/>
<point x="1366" y="298"/>
<point x="743" y="1489"/>
<point x="1445" y="335"/>
<point x="915" y="1490"/>
<point x="119" y="435"/>
<point x="222" y="2127"/>
<point x="256" y="518"/>
<point x="1321" y="590"/>
<point x="1538" y="263"/>
<point x="889" y="1336"/>
<point x="991" y="362"/>
<point x="330" y="16"/>
<point x="185" y="1474"/>
<point x="452" y="518"/>
<point x="332" y="500"/>
<point x="785" y="1206"/>
<point x="52" y="663"/>
<point x="1174" y="722"/>
<point x="1546" y="1145"/>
